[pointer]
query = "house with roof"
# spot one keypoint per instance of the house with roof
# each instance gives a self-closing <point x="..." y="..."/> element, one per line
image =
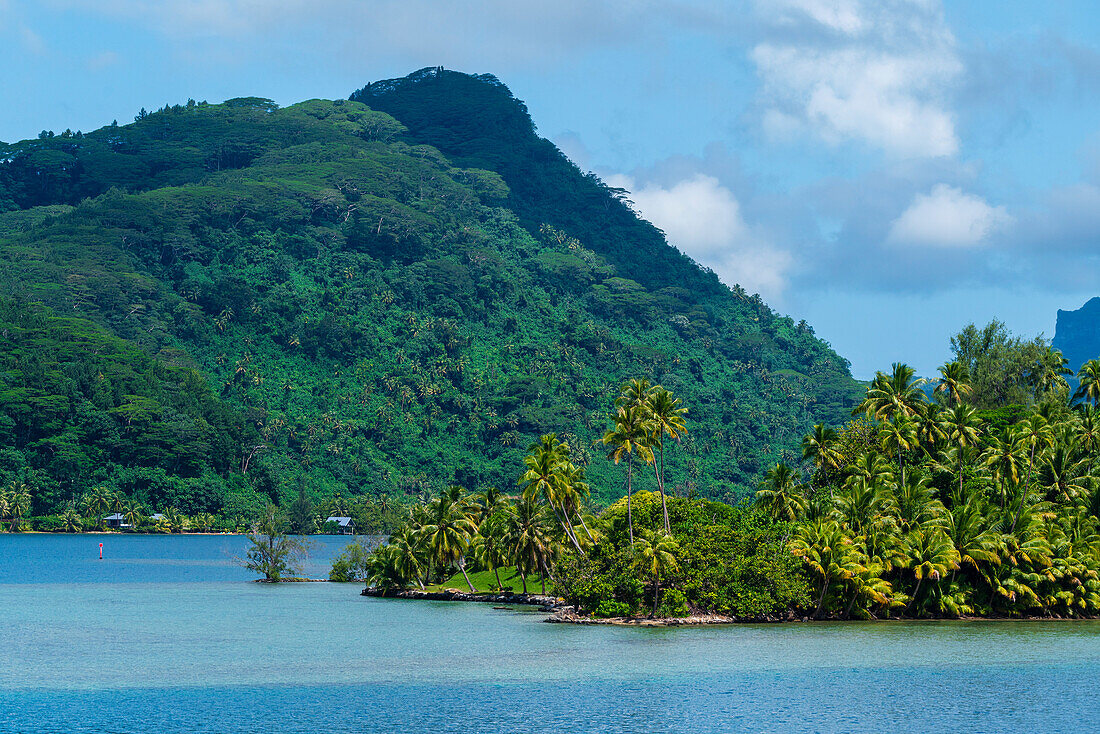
<point x="342" y="525"/>
<point x="116" y="522"/>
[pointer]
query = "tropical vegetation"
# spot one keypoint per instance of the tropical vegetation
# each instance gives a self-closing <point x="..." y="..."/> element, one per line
<point x="221" y="306"/>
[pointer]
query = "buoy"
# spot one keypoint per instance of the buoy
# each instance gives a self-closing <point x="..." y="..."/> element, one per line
<point x="101" y="551"/>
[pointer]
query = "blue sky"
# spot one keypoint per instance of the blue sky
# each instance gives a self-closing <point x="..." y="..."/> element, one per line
<point x="889" y="170"/>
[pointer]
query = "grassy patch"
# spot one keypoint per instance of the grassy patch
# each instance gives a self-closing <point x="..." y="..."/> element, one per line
<point x="485" y="582"/>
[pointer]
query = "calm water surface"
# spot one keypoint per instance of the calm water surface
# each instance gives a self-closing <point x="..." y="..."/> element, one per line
<point x="166" y="634"/>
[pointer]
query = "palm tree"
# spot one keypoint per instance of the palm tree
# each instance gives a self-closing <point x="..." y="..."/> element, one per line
<point x="532" y="544"/>
<point x="666" y="417"/>
<point x="447" y="535"/>
<point x="819" y="446"/>
<point x="975" y="542"/>
<point x="780" y="493"/>
<point x="897" y="392"/>
<point x="70" y="519"/>
<point x="1062" y="473"/>
<point x="827" y="551"/>
<point x="96" y="503"/>
<point x="630" y="436"/>
<point x="545" y="464"/>
<point x="931" y="555"/>
<point x="410" y="554"/>
<point x="490" y="545"/>
<point x="1089" y="389"/>
<point x="963" y="427"/>
<point x="1047" y="372"/>
<point x="18" y="503"/>
<point x="132" y="514"/>
<point x="931" y="428"/>
<point x="899" y="434"/>
<point x="1034" y="432"/>
<point x="1003" y="456"/>
<point x="655" y="555"/>
<point x="633" y="393"/>
<point x="954" y="382"/>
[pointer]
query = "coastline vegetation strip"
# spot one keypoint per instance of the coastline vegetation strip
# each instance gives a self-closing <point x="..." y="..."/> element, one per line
<point x="972" y="495"/>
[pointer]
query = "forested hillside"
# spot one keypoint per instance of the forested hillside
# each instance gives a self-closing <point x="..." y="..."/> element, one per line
<point x="220" y="304"/>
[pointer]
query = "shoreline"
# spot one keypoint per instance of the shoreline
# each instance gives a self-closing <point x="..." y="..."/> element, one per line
<point x="545" y="603"/>
<point x="563" y="613"/>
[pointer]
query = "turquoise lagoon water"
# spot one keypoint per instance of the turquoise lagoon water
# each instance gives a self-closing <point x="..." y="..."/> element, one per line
<point x="166" y="634"/>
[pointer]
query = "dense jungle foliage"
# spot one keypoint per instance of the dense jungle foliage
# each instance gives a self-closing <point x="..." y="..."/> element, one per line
<point x="224" y="305"/>
<point x="962" y="504"/>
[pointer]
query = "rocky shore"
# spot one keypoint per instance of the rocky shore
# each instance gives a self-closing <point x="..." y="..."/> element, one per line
<point x="547" y="603"/>
<point x="567" y="615"/>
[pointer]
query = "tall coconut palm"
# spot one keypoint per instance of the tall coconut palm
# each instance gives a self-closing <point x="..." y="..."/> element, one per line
<point x="490" y="545"/>
<point x="543" y="479"/>
<point x="132" y="514"/>
<point x="1063" y="474"/>
<point x="931" y="428"/>
<point x="629" y="437"/>
<point x="819" y="446"/>
<point x="1089" y="388"/>
<point x="898" y="392"/>
<point x="898" y="434"/>
<point x="954" y="382"/>
<point x="1034" y="433"/>
<point x="780" y="493"/>
<point x="18" y="503"/>
<point x="963" y="432"/>
<point x="70" y="519"/>
<point x="1048" y="371"/>
<point x="655" y="555"/>
<point x="448" y="533"/>
<point x="531" y="540"/>
<point x="666" y="418"/>
<point x="1004" y="456"/>
<point x="634" y="393"/>
<point x="410" y="557"/>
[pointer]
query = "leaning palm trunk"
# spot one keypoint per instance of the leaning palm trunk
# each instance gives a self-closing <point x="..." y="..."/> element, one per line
<point x="629" y="513"/>
<point x="656" y="591"/>
<point x="660" y="473"/>
<point x="821" y="599"/>
<point x="563" y="519"/>
<point x="462" y="568"/>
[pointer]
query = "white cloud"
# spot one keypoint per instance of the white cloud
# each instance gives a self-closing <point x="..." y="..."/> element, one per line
<point x="947" y="217"/>
<point x="703" y="219"/>
<point x="873" y="71"/>
<point x="840" y="15"/>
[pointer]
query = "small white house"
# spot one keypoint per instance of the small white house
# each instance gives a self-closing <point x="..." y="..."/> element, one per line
<point x="345" y="524"/>
<point x="116" y="522"/>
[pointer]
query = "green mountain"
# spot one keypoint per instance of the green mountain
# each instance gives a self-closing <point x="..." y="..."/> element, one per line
<point x="219" y="304"/>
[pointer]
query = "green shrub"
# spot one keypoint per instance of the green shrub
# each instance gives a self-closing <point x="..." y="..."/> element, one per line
<point x="673" y="604"/>
<point x="608" y="608"/>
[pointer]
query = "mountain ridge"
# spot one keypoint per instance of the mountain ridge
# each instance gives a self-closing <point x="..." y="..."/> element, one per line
<point x="382" y="315"/>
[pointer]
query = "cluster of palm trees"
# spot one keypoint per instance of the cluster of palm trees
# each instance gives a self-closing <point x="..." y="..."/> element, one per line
<point x="15" y="503"/>
<point x="548" y="518"/>
<point x="932" y="508"/>
<point x="92" y="509"/>
<point x="492" y="530"/>
<point x="455" y="530"/>
<point x="645" y="415"/>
